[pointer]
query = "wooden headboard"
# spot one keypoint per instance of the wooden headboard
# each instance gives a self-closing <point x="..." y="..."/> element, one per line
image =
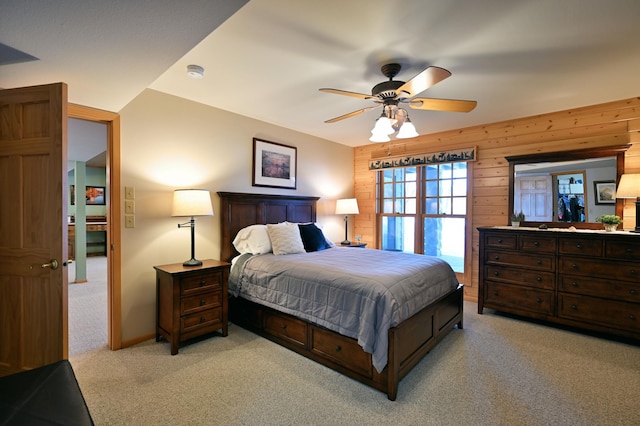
<point x="238" y="210"/>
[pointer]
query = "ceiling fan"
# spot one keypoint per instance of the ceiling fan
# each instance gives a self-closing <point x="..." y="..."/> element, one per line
<point x="389" y="94"/>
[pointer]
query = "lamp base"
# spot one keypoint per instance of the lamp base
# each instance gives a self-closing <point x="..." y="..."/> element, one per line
<point x="345" y="243"/>
<point x="192" y="262"/>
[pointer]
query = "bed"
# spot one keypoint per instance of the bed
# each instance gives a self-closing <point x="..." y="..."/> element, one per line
<point x="405" y="344"/>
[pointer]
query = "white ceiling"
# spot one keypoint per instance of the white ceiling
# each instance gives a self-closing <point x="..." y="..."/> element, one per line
<point x="267" y="61"/>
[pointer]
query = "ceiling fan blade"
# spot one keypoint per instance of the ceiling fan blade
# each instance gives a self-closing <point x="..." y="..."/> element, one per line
<point x="346" y="93"/>
<point x="451" y="105"/>
<point x="351" y="114"/>
<point x="421" y="82"/>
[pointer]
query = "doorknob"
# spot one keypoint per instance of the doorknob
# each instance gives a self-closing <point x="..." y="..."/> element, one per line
<point x="53" y="265"/>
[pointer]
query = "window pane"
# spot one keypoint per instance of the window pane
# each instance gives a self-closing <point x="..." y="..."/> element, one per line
<point x="444" y="238"/>
<point x="445" y="188"/>
<point x="387" y="206"/>
<point x="431" y="206"/>
<point x="459" y="205"/>
<point x="444" y="206"/>
<point x="432" y="172"/>
<point x="431" y="188"/>
<point x="411" y="174"/>
<point x="459" y="170"/>
<point x="399" y="174"/>
<point x="410" y="206"/>
<point x="388" y="190"/>
<point x="459" y="187"/>
<point x="399" y="206"/>
<point x="410" y="189"/>
<point x="388" y="175"/>
<point x="445" y="171"/>
<point x="398" y="233"/>
<point x="399" y="190"/>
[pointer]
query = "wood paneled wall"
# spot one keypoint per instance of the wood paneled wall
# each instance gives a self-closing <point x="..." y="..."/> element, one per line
<point x="613" y="123"/>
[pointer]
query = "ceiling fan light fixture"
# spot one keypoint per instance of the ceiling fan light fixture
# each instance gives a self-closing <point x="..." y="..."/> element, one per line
<point x="383" y="125"/>
<point x="408" y="130"/>
<point x="195" y="71"/>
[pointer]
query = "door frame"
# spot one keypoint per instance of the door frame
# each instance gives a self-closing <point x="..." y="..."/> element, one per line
<point x="114" y="250"/>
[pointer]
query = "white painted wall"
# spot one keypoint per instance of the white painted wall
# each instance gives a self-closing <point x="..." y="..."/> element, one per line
<point x="169" y="143"/>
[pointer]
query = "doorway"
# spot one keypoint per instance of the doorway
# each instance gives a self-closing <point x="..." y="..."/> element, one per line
<point x="112" y="187"/>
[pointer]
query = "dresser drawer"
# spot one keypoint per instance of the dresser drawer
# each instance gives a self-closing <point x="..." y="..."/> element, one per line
<point x="201" y="302"/>
<point x="197" y="283"/>
<point x="608" y="313"/>
<point x="286" y="327"/>
<point x="620" y="250"/>
<point x="519" y="298"/>
<point x="625" y="271"/>
<point x="537" y="279"/>
<point x="609" y="289"/>
<point x="531" y="260"/>
<point x="196" y="322"/>
<point x="342" y="350"/>
<point x="537" y="244"/>
<point x="501" y="241"/>
<point x="580" y="245"/>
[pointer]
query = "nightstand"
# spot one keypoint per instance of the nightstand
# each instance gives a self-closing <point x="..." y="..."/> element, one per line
<point x="352" y="245"/>
<point x="191" y="301"/>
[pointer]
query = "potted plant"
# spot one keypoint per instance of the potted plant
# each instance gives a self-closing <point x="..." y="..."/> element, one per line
<point x="516" y="218"/>
<point x="610" y="221"/>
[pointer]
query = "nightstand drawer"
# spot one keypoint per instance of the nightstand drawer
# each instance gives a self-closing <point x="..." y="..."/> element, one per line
<point x="201" y="282"/>
<point x="194" y="322"/>
<point x="189" y="305"/>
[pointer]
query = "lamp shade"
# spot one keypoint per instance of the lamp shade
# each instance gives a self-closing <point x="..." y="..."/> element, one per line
<point x="192" y="202"/>
<point x="347" y="206"/>
<point x="629" y="186"/>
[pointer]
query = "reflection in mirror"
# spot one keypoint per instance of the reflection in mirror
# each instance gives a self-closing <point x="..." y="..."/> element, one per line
<point x="562" y="187"/>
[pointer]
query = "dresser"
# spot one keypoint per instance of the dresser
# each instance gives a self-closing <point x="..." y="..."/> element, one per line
<point x="584" y="279"/>
<point x="191" y="301"/>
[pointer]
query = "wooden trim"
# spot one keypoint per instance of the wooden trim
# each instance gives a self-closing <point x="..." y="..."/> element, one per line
<point x="114" y="257"/>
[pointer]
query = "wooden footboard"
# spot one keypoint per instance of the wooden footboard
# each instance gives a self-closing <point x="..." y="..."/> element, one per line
<point x="409" y="342"/>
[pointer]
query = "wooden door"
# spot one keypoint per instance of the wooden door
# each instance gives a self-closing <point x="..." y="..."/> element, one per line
<point x="532" y="195"/>
<point x="33" y="231"/>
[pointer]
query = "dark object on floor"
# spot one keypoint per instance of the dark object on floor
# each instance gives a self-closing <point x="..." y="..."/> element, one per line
<point x="43" y="396"/>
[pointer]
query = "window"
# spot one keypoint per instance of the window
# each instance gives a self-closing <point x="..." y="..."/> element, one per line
<point x="423" y="210"/>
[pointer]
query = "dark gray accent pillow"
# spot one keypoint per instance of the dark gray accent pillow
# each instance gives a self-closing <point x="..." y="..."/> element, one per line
<point x="312" y="237"/>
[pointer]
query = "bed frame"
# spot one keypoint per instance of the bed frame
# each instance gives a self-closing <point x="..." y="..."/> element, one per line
<point x="409" y="341"/>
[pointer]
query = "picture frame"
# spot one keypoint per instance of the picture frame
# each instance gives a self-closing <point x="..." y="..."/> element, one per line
<point x="94" y="195"/>
<point x="605" y="191"/>
<point x="274" y="165"/>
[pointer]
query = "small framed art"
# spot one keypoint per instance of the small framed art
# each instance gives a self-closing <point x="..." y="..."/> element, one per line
<point x="274" y="164"/>
<point x="605" y="191"/>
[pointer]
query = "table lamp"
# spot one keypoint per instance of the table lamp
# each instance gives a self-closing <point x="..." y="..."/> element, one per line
<point x="191" y="202"/>
<point x="347" y="206"/>
<point x="629" y="187"/>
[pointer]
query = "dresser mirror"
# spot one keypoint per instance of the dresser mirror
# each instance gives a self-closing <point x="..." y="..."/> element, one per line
<point x="563" y="189"/>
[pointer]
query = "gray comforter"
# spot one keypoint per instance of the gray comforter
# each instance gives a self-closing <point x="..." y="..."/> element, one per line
<point x="359" y="293"/>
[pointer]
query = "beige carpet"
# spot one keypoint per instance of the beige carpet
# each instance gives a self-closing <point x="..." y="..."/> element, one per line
<point x="88" y="308"/>
<point x="497" y="371"/>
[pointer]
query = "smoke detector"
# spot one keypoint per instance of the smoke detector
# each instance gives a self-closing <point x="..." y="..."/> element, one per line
<point x="195" y="71"/>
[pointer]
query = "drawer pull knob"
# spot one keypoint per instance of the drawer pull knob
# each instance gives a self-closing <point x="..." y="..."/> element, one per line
<point x="574" y="284"/>
<point x="496" y="273"/>
<point x="629" y="250"/>
<point x="499" y="241"/>
<point x="539" y="279"/>
<point x="579" y="246"/>
<point x="203" y="283"/>
<point x="539" y="262"/>
<point x="537" y="244"/>
<point x="633" y="291"/>
<point x="202" y="319"/>
<point x="338" y="348"/>
<point x="632" y="317"/>
<point x="202" y="302"/>
<point x="497" y="258"/>
<point x="574" y="307"/>
<point x="495" y="293"/>
<point x="283" y="326"/>
<point x="574" y="266"/>
<point x="538" y="300"/>
<point x="634" y="272"/>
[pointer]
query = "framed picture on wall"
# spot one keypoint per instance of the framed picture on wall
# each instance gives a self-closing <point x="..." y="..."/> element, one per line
<point x="605" y="191"/>
<point x="274" y="164"/>
<point x="94" y="195"/>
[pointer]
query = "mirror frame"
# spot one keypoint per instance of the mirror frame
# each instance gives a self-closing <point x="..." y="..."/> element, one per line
<point x="617" y="151"/>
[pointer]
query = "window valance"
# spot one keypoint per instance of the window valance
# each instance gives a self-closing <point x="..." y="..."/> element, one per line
<point x="464" y="154"/>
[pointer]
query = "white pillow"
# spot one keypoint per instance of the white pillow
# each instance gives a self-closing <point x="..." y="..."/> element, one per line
<point x="319" y="225"/>
<point x="285" y="238"/>
<point x="253" y="239"/>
